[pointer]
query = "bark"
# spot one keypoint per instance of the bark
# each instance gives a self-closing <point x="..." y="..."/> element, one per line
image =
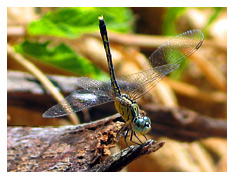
<point x="80" y="148"/>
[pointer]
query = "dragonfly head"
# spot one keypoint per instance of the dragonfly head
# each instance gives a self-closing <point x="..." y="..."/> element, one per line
<point x="142" y="124"/>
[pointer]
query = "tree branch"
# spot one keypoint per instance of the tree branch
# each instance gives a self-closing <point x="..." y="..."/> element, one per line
<point x="72" y="148"/>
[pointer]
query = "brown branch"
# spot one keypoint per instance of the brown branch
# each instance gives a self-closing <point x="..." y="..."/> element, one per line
<point x="175" y="122"/>
<point x="183" y="124"/>
<point x="149" y="41"/>
<point x="40" y="76"/>
<point x="141" y="40"/>
<point x="194" y="92"/>
<point x="123" y="158"/>
<point x="73" y="148"/>
<point x="82" y="148"/>
<point x="211" y="72"/>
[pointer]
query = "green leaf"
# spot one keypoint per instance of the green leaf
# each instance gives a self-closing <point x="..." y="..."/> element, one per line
<point x="61" y="56"/>
<point x="213" y="18"/>
<point x="70" y="23"/>
<point x="169" y="28"/>
<point x="73" y="21"/>
<point x="173" y="13"/>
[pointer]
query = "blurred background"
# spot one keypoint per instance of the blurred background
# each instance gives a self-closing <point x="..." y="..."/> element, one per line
<point x="65" y="43"/>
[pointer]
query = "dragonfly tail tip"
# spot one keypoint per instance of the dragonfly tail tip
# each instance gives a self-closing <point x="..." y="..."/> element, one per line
<point x="100" y="17"/>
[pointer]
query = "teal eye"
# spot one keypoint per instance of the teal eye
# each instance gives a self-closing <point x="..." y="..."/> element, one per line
<point x="142" y="124"/>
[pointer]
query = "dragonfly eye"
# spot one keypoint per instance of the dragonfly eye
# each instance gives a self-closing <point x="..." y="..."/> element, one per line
<point x="142" y="125"/>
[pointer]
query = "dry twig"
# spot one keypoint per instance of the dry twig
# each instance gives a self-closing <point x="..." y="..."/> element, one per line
<point x="41" y="77"/>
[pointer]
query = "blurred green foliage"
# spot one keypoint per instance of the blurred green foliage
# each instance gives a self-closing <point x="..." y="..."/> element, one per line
<point x="171" y="16"/>
<point x="71" y="23"/>
<point x="169" y="28"/>
<point x="213" y="17"/>
<point x="62" y="56"/>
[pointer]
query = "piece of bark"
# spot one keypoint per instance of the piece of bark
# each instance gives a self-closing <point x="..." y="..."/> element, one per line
<point x="117" y="161"/>
<point x="71" y="148"/>
<point x="18" y="82"/>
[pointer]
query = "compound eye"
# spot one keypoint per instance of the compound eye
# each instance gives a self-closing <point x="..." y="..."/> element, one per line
<point x="142" y="125"/>
<point x="147" y="119"/>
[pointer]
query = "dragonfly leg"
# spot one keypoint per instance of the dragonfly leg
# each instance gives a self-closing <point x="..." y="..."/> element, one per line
<point x="125" y="137"/>
<point x="136" y="136"/>
<point x="118" y="136"/>
<point x="145" y="137"/>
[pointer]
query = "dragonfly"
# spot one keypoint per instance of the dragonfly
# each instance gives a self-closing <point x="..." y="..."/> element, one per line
<point x="125" y="90"/>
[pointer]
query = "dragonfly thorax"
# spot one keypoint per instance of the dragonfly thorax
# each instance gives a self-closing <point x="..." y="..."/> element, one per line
<point x="127" y="107"/>
<point x="130" y="112"/>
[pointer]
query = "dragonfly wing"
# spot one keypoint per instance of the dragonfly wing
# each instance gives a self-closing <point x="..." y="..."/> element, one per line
<point x="137" y="84"/>
<point x="126" y="84"/>
<point x="77" y="101"/>
<point x="177" y="49"/>
<point x="90" y="83"/>
<point x="163" y="61"/>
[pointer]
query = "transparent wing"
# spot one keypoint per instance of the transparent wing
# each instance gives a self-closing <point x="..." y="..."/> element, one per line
<point x="90" y="83"/>
<point x="140" y="83"/>
<point x="177" y="49"/>
<point x="78" y="100"/>
<point x="164" y="60"/>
